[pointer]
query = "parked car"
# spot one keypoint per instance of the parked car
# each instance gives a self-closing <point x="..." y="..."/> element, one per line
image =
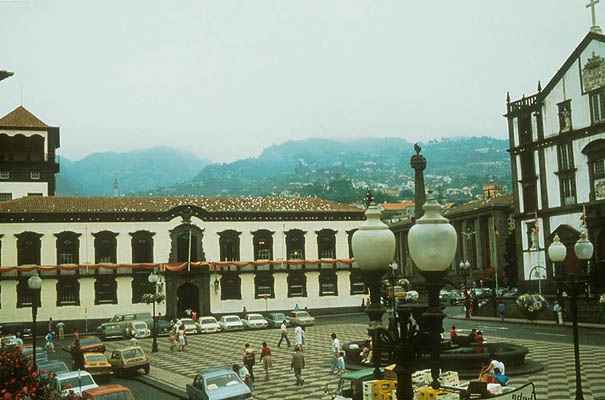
<point x="110" y="331"/>
<point x="51" y="366"/>
<point x="137" y="329"/>
<point x="218" y="384"/>
<point x="274" y="320"/>
<point x="10" y="340"/>
<point x="412" y="295"/>
<point x="301" y="318"/>
<point x="97" y="365"/>
<point x="208" y="325"/>
<point x="254" y="321"/>
<point x="108" y="392"/>
<point x="163" y="327"/>
<point x="91" y="344"/>
<point x="190" y="326"/>
<point x="76" y="381"/>
<point x="129" y="359"/>
<point x="452" y="297"/>
<point x="123" y="321"/>
<point x="28" y="351"/>
<point x="230" y="323"/>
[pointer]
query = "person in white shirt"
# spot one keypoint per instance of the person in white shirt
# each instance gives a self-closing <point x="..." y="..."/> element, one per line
<point x="335" y="353"/>
<point x="489" y="369"/>
<point x="284" y="334"/>
<point x="298" y="337"/>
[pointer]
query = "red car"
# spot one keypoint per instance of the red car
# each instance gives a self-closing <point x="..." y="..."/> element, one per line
<point x="109" y="392"/>
<point x="91" y="344"/>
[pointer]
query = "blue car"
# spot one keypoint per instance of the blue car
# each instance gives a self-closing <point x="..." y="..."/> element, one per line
<point x="218" y="384"/>
<point x="275" y="319"/>
<point x="51" y="366"/>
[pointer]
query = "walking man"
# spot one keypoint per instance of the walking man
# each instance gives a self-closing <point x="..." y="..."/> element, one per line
<point x="49" y="342"/>
<point x="50" y="324"/>
<point x="501" y="311"/>
<point x="335" y="353"/>
<point x="556" y="308"/>
<point x="284" y="334"/>
<point x="297" y="364"/>
<point x="61" y="327"/>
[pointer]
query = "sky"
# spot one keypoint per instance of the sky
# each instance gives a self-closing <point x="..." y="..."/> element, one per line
<point x="224" y="79"/>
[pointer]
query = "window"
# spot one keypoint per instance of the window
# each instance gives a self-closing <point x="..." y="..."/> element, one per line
<point x="231" y="286"/>
<point x="525" y="133"/>
<point x="528" y="181"/>
<point x="186" y="244"/>
<point x="105" y="247"/>
<point x="140" y="286"/>
<point x="68" y="291"/>
<point x="28" y="248"/>
<point x="25" y="295"/>
<point x="6" y="196"/>
<point x="68" y="248"/>
<point x="263" y="244"/>
<point x="358" y="285"/>
<point x="4" y="175"/>
<point x="34" y="175"/>
<point x="568" y="190"/>
<point x="597" y="102"/>
<point x="263" y="285"/>
<point x="349" y="239"/>
<point x="596" y="168"/>
<point x="142" y="247"/>
<point x="328" y="283"/>
<point x="297" y="284"/>
<point x="106" y="290"/>
<point x="295" y="244"/>
<point x="326" y="243"/>
<point x="34" y="194"/>
<point x="565" y="116"/>
<point x="229" y="245"/>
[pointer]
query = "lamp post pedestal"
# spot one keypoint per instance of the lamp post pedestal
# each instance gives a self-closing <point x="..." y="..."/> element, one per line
<point x="154" y="344"/>
<point x="375" y="311"/>
<point x="434" y="320"/>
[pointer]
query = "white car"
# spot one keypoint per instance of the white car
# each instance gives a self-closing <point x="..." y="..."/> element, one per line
<point x="73" y="381"/>
<point x="138" y="329"/>
<point x="230" y="323"/>
<point x="190" y="325"/>
<point x="301" y="318"/>
<point x="255" y="321"/>
<point x="208" y="325"/>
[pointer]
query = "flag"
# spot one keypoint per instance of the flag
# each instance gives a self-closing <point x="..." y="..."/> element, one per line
<point x="536" y="226"/>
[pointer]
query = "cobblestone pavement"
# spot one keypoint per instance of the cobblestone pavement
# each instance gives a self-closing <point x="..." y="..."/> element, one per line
<point x="556" y="381"/>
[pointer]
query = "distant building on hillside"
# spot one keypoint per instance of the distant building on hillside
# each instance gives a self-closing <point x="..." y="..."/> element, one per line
<point x="28" y="163"/>
<point x="491" y="190"/>
<point x="394" y="212"/>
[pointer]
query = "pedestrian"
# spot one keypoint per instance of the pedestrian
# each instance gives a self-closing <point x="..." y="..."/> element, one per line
<point x="185" y="334"/>
<point x="244" y="311"/>
<point x="297" y="364"/>
<point x="341" y="362"/>
<point x="453" y="333"/>
<point x="475" y="309"/>
<point x="296" y="307"/>
<point x="50" y="324"/>
<point x="284" y="334"/>
<point x="479" y="337"/>
<point x="365" y="351"/>
<point x="60" y="328"/>
<point x="265" y="357"/>
<point x="501" y="309"/>
<point x="133" y="341"/>
<point x="181" y="337"/>
<point x="555" y="309"/>
<point x="76" y="334"/>
<point x="243" y="374"/>
<point x="334" y="353"/>
<point x="298" y="337"/>
<point x="77" y="358"/>
<point x="49" y="342"/>
<point x="249" y="359"/>
<point x="304" y="337"/>
<point x="171" y="339"/>
<point x="560" y="314"/>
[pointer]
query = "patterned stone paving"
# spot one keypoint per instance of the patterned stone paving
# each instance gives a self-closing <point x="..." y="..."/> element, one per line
<point x="556" y="381"/>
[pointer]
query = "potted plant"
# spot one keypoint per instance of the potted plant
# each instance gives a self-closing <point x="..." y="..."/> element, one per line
<point x="531" y="305"/>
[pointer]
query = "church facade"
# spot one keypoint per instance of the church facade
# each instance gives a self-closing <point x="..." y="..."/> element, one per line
<point x="557" y="149"/>
<point x="213" y="255"/>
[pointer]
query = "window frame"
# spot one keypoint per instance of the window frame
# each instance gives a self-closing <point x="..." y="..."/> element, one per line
<point x="328" y="277"/>
<point x="355" y="278"/>
<point x="8" y="197"/>
<point x="35" y="175"/>
<point x="111" y="281"/>
<point x="326" y="244"/>
<point x="264" y="248"/>
<point x="295" y="244"/>
<point x="229" y="245"/>
<point x="297" y="279"/>
<point x="599" y="108"/>
<point x="5" y="175"/>
<point x="264" y="280"/>
<point x="63" y="294"/>
<point x="227" y="286"/>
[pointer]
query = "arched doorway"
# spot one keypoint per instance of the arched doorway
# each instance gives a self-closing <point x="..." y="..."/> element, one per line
<point x="187" y="297"/>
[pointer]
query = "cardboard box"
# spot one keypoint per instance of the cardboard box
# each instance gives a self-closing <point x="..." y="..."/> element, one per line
<point x="389" y="372"/>
<point x="449" y="378"/>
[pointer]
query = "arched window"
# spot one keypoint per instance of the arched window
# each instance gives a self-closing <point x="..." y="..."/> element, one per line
<point x="186" y="244"/>
<point x="326" y="243"/>
<point x="297" y="284"/>
<point x="105" y="247"/>
<point x="142" y="247"/>
<point x="263" y="244"/>
<point x="231" y="286"/>
<point x="106" y="290"/>
<point x="295" y="244"/>
<point x="28" y="248"/>
<point x="263" y="285"/>
<point x="140" y="285"/>
<point x="25" y="295"/>
<point x="328" y="283"/>
<point x="68" y="291"/>
<point x="349" y="239"/>
<point x="68" y="248"/>
<point x="229" y="245"/>
<point x="358" y="285"/>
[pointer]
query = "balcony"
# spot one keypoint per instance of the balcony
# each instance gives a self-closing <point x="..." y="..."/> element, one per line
<point x="525" y="102"/>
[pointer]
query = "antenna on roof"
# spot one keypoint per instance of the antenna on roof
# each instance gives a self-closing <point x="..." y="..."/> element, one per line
<point x="115" y="187"/>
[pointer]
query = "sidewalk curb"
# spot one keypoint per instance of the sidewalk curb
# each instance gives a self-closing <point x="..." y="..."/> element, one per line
<point x="156" y="383"/>
<point x="526" y="322"/>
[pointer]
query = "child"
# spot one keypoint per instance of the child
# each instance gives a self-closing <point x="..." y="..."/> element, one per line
<point x="500" y="377"/>
<point x="340" y="362"/>
<point x="171" y="340"/>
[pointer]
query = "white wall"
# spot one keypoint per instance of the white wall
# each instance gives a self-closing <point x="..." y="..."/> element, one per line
<point x="21" y="189"/>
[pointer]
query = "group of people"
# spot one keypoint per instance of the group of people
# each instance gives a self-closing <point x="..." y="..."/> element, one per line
<point x="475" y="336"/>
<point x="177" y="336"/>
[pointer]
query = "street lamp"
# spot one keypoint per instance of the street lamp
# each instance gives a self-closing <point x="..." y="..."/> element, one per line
<point x="432" y="242"/>
<point x="153" y="279"/>
<point x="465" y="266"/>
<point x="35" y="283"/>
<point x="393" y="276"/>
<point x="571" y="284"/>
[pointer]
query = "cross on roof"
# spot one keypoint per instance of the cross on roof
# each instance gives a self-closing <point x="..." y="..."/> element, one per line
<point x="591" y="5"/>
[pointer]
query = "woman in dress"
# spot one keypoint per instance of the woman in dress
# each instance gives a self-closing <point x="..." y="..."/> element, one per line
<point x="265" y="357"/>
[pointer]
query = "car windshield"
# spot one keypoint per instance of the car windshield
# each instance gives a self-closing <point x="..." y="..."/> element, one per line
<point x="255" y="317"/>
<point x="123" y="395"/>
<point x="89" y="341"/>
<point x="54" y="368"/>
<point x="74" y="382"/>
<point x="208" y="321"/>
<point x="95" y="358"/>
<point x="219" y="381"/>
<point x="232" y="319"/>
<point x="141" y="326"/>
<point x="132" y="353"/>
<point x="302" y="314"/>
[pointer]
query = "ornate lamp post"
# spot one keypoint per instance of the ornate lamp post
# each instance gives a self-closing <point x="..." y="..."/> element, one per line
<point x="574" y="286"/>
<point x="465" y="266"/>
<point x="432" y="242"/>
<point x="35" y="283"/>
<point x="153" y="279"/>
<point x="373" y="246"/>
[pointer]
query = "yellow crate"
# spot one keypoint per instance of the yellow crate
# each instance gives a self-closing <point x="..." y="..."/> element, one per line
<point x="383" y="386"/>
<point x="431" y="394"/>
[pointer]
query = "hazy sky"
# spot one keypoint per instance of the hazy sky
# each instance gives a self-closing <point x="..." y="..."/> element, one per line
<point x="225" y="79"/>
